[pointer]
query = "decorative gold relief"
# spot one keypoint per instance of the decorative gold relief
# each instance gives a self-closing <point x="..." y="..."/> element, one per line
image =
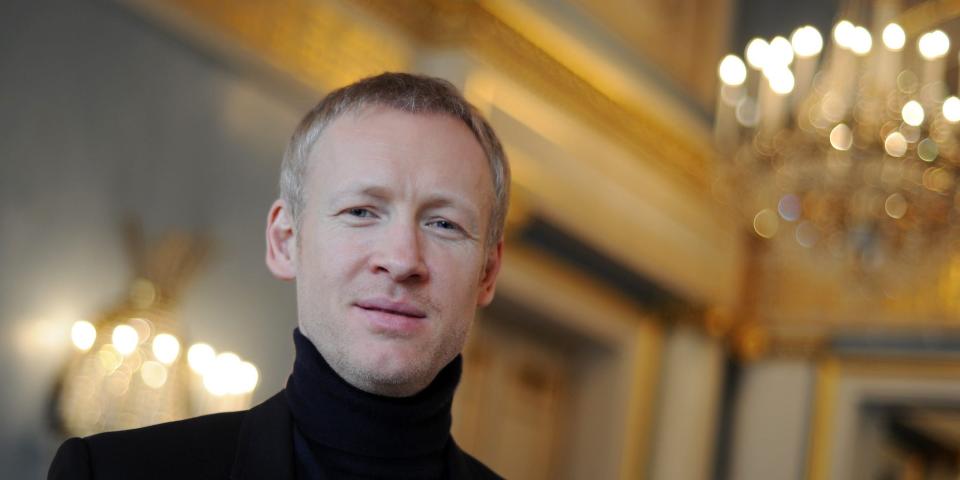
<point x="319" y="43"/>
<point x="645" y="132"/>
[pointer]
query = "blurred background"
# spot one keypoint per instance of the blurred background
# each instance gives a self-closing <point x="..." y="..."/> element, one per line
<point x="727" y="267"/>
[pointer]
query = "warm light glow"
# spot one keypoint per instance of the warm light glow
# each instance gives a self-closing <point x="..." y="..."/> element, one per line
<point x="732" y="71"/>
<point x="806" y="41"/>
<point x="222" y="376"/>
<point x="843" y="34"/>
<point x="248" y="378"/>
<point x="928" y="150"/>
<point x="861" y="42"/>
<point x="780" y="52"/>
<point x="895" y="144"/>
<point x="109" y="358"/>
<point x="153" y="374"/>
<point x="757" y="51"/>
<point x="933" y="45"/>
<point x="951" y="109"/>
<point x="894" y="37"/>
<point x="912" y="113"/>
<point x="83" y="334"/>
<point x="841" y="137"/>
<point x="125" y="339"/>
<point x="780" y="78"/>
<point x="765" y="223"/>
<point x="200" y="356"/>
<point x="166" y="347"/>
<point x="789" y="207"/>
<point x="807" y="234"/>
<point x="895" y="206"/>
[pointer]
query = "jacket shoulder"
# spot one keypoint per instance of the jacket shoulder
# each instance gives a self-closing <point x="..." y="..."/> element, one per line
<point x="463" y="465"/>
<point x="200" y="447"/>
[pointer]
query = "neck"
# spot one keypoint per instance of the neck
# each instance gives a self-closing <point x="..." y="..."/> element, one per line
<point x="335" y="414"/>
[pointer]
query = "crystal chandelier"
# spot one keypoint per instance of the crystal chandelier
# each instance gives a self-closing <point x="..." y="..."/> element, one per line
<point x="849" y="151"/>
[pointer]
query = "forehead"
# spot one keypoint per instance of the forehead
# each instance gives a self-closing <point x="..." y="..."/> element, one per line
<point x="381" y="144"/>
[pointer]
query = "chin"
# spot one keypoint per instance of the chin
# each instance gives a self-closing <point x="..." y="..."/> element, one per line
<point x="399" y="366"/>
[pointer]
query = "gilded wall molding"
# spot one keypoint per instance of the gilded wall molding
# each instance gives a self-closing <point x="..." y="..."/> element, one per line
<point x="325" y="44"/>
<point x="644" y="132"/>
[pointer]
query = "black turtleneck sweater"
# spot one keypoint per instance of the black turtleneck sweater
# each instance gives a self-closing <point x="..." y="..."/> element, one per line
<point x="341" y="431"/>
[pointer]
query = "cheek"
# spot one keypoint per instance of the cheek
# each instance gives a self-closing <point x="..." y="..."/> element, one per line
<point x="457" y="275"/>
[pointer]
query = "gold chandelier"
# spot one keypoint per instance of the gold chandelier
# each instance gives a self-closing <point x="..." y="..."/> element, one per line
<point x="849" y="151"/>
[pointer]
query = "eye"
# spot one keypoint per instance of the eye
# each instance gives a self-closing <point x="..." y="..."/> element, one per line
<point x="359" y="212"/>
<point x="444" y="224"/>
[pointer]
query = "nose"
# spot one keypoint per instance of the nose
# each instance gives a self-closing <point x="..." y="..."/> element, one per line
<point x="400" y="254"/>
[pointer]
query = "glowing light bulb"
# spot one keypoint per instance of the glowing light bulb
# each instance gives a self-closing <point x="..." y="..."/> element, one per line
<point x="83" y="334"/>
<point x="894" y="37"/>
<point x="843" y="34"/>
<point x="200" y="356"/>
<point x="861" y="42"/>
<point x="933" y="45"/>
<point x="125" y="339"/>
<point x="732" y="70"/>
<point x="781" y="80"/>
<point x="841" y="137"/>
<point x="912" y="113"/>
<point x="780" y="52"/>
<point x="221" y="377"/>
<point x="895" y="144"/>
<point x="166" y="347"/>
<point x="951" y="109"/>
<point x="247" y="377"/>
<point x="757" y="51"/>
<point x="806" y="41"/>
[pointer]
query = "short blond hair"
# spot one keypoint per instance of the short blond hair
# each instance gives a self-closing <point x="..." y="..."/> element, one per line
<point x="408" y="93"/>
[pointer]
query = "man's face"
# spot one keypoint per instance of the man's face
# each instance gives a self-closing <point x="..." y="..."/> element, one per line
<point x="391" y="263"/>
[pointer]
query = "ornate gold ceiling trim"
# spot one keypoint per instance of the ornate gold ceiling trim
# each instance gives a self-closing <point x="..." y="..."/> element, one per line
<point x="321" y="44"/>
<point x="325" y="44"/>
<point x="644" y="132"/>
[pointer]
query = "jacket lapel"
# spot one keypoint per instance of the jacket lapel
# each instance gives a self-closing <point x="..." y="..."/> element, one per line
<point x="265" y="443"/>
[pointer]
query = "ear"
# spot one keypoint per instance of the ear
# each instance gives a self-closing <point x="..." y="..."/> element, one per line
<point x="488" y="283"/>
<point x="281" y="242"/>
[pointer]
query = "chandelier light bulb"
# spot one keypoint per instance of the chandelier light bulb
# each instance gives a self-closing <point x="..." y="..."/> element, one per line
<point x="806" y="41"/>
<point x="843" y="34"/>
<point x="951" y="109"/>
<point x="780" y="78"/>
<point x="781" y="52"/>
<point x="841" y="137"/>
<point x="912" y="113"/>
<point x="200" y="357"/>
<point x="895" y="144"/>
<point x="756" y="53"/>
<point x="125" y="339"/>
<point x="83" y="334"/>
<point x="732" y="71"/>
<point x="166" y="347"/>
<point x="861" y="41"/>
<point x="933" y="45"/>
<point x="894" y="37"/>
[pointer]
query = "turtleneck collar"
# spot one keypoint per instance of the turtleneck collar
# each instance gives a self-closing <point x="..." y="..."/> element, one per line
<point x="335" y="414"/>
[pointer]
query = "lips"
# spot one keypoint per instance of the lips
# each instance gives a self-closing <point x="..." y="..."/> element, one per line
<point x="391" y="307"/>
<point x="392" y="319"/>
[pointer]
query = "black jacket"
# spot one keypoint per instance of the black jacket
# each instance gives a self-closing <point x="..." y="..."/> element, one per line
<point x="252" y="444"/>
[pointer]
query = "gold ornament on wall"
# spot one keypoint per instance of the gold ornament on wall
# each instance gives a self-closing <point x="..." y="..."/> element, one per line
<point x="131" y="367"/>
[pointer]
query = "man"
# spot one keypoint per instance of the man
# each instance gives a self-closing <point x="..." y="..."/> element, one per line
<point x="390" y="220"/>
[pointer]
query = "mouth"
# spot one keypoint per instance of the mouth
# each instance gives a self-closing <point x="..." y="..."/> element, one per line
<point x="402" y="309"/>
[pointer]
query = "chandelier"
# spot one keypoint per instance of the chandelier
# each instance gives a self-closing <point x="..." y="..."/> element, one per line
<point x="848" y="150"/>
